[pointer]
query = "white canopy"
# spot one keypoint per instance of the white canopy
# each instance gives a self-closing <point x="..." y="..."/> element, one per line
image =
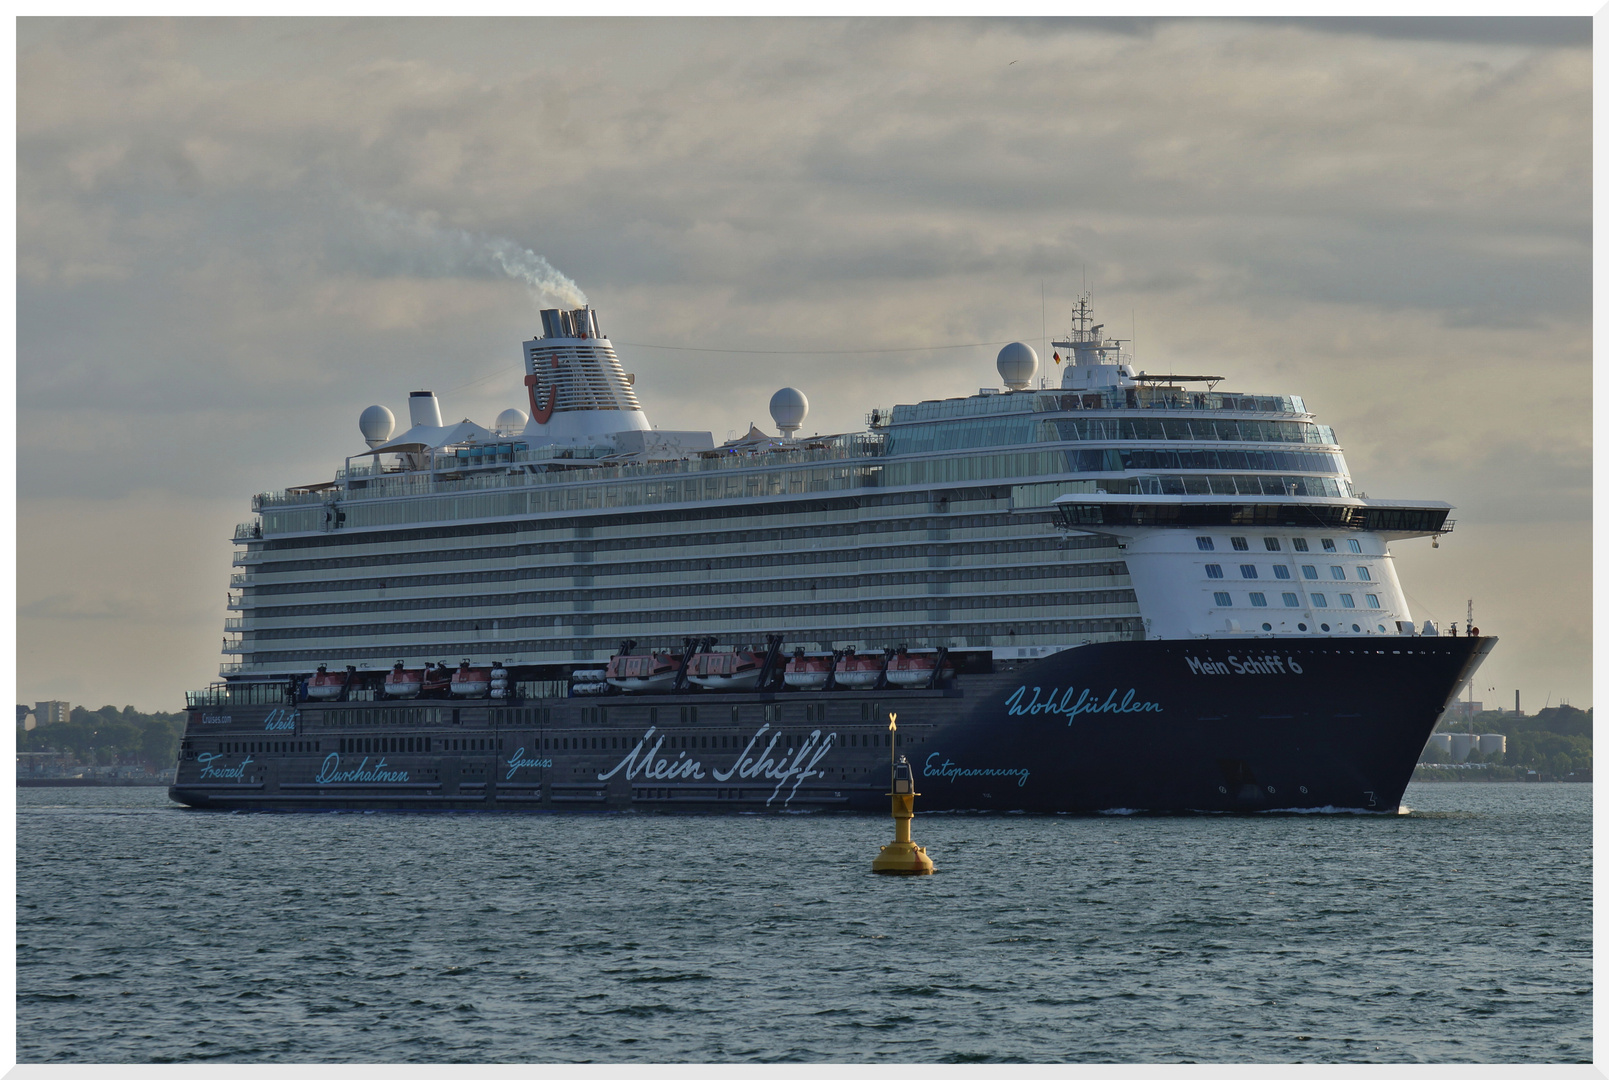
<point x="424" y="437"/>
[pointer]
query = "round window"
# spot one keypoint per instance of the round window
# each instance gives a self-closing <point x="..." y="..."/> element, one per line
<point x="1354" y="628"/>
<point x="1324" y="627"/>
<point x="1266" y="626"/>
<point x="1302" y="626"/>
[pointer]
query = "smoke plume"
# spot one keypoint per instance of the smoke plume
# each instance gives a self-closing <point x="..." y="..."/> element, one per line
<point x="414" y="244"/>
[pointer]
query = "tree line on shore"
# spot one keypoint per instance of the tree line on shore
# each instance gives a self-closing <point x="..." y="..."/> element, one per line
<point x="110" y="736"/>
<point x="1556" y="740"/>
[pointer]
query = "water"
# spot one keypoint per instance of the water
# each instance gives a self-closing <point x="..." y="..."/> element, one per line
<point x="1457" y="932"/>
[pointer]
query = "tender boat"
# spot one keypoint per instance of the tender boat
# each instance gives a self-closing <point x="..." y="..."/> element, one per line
<point x="324" y="685"/>
<point x="807" y="671"/>
<point x="858" y="672"/>
<point x="635" y="674"/>
<point x="914" y="669"/>
<point x="739" y="670"/>
<point x="401" y="682"/>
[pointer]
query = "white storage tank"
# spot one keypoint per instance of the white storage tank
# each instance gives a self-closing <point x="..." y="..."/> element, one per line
<point x="1463" y="743"/>
<point x="1493" y="744"/>
<point x="1442" y="741"/>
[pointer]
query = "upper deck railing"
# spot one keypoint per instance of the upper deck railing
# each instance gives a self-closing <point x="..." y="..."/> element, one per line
<point x="583" y="466"/>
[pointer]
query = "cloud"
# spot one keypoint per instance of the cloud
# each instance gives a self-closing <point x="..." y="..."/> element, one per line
<point x="234" y="236"/>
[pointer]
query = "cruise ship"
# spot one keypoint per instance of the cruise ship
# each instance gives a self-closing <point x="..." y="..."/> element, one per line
<point x="1084" y="589"/>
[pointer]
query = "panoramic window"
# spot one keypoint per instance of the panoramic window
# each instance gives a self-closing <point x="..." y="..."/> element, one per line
<point x="1310" y="572"/>
<point x="1290" y="599"/>
<point x="1282" y="572"/>
<point x="1318" y="599"/>
<point x="1247" y="570"/>
<point x="1259" y="600"/>
<point x="1214" y="570"/>
<point x="1354" y="547"/>
<point x="1363" y="574"/>
<point x="1338" y="573"/>
<point x="1299" y="543"/>
<point x="1329" y="545"/>
<point x="1221" y="599"/>
<point x="1238" y="543"/>
<point x="1204" y="543"/>
<point x="1271" y="543"/>
<point x="1347" y="601"/>
<point x="1374" y="601"/>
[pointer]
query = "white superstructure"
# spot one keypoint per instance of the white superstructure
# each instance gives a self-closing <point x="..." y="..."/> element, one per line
<point x="1113" y="507"/>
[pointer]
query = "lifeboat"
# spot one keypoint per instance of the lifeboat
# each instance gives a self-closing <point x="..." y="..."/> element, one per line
<point x="326" y="686"/>
<point x="404" y="682"/>
<point x="854" y="672"/>
<point x="437" y="679"/>
<point x="739" y="670"/>
<point x="656" y="671"/>
<point x="807" y="672"/>
<point x="470" y="682"/>
<point x="904" y="669"/>
<point x="500" y="687"/>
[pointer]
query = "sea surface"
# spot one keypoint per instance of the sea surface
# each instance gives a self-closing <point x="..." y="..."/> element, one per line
<point x="1457" y="932"/>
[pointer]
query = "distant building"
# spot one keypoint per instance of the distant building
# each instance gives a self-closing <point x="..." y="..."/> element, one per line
<point x="1464" y="710"/>
<point x="26" y="720"/>
<point x="52" y="712"/>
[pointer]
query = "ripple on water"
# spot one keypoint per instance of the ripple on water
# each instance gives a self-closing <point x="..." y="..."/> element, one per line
<point x="175" y="936"/>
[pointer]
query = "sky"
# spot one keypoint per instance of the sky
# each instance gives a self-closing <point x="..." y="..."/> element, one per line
<point x="234" y="235"/>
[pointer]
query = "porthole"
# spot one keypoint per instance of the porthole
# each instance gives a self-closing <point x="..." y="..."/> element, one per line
<point x="1381" y="628"/>
<point x="1303" y="789"/>
<point x="1302" y="626"/>
<point x="1355" y="628"/>
<point x="1222" y="790"/>
<point x="1270" y="789"/>
<point x="1324" y="627"/>
<point x="1267" y="626"/>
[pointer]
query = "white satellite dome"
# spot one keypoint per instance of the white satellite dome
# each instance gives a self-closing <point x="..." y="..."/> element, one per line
<point x="510" y="421"/>
<point x="788" y="409"/>
<point x="1017" y="363"/>
<point x="377" y="424"/>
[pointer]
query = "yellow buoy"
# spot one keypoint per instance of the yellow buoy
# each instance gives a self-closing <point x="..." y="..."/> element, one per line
<point x="902" y="856"/>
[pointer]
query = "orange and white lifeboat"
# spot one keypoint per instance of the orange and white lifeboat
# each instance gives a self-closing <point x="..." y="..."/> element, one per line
<point x="656" y="671"/>
<point x="907" y="669"/>
<point x="471" y="681"/>
<point x="739" y="670"/>
<point x="326" y="685"/>
<point x="854" y="672"/>
<point x="404" y="682"/>
<point x="807" y="672"/>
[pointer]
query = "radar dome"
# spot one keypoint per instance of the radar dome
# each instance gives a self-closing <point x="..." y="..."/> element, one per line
<point x="377" y="424"/>
<point x="788" y="409"/>
<point x="1017" y="364"/>
<point x="510" y="421"/>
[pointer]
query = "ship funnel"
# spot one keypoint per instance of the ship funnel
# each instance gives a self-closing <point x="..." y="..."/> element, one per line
<point x="423" y="409"/>
<point x="580" y="323"/>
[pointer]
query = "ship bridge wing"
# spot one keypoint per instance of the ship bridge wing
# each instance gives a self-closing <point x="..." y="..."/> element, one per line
<point x="1121" y="515"/>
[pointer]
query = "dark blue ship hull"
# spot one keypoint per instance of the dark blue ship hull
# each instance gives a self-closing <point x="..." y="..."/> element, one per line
<point x="1160" y="726"/>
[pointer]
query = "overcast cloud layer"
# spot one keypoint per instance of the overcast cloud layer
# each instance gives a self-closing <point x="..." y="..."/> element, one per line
<point x="233" y="236"/>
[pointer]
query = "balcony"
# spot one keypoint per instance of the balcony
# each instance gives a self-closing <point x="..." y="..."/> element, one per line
<point x="249" y="530"/>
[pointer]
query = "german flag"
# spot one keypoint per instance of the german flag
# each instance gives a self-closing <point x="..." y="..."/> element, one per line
<point x="1057" y="355"/>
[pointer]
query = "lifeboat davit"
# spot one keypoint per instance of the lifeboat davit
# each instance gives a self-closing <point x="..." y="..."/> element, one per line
<point x="904" y="669"/>
<point x="325" y="686"/>
<point x="470" y="681"/>
<point x="656" y="671"/>
<point x="404" y="682"/>
<point x="739" y="670"/>
<point x="857" y="672"/>
<point x="807" y="672"/>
